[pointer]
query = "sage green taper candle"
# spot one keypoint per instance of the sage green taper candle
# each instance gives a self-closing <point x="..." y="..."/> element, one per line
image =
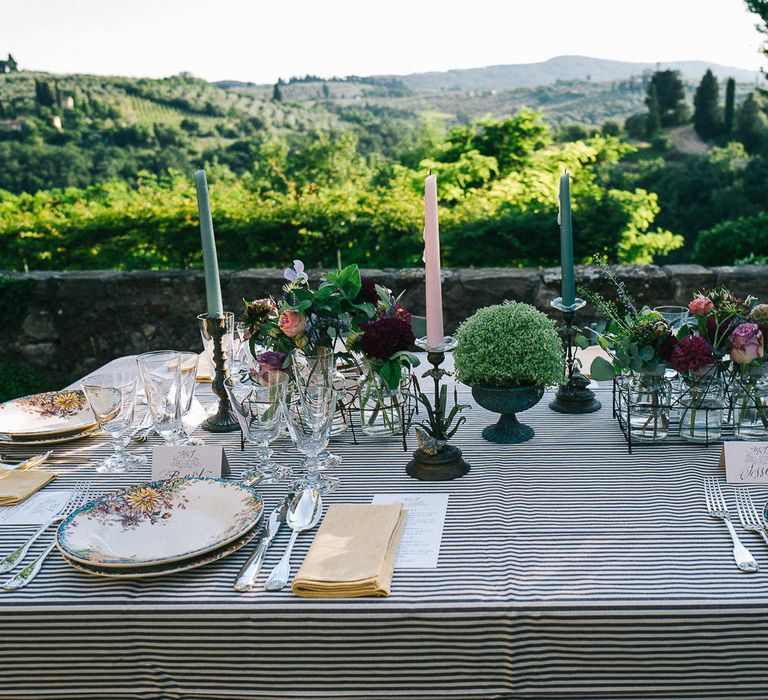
<point x="568" y="292"/>
<point x="210" y="261"/>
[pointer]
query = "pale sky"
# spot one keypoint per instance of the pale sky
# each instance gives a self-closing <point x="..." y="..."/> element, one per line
<point x="261" y="41"/>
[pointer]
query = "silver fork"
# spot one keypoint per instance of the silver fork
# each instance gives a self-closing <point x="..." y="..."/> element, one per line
<point x="717" y="508"/>
<point x="80" y="498"/>
<point x="750" y="520"/>
<point x="14" y="558"/>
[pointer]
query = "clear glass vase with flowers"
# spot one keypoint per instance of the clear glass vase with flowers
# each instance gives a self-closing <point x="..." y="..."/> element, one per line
<point x="640" y="343"/>
<point x="750" y="383"/>
<point x="384" y="343"/>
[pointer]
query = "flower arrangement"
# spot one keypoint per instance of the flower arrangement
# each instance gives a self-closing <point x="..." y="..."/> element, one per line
<point x="345" y="310"/>
<point x="509" y="345"/>
<point x="306" y="319"/>
<point x="385" y="340"/>
<point x="639" y="341"/>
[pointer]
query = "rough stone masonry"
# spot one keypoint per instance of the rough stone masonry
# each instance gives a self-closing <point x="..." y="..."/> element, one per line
<point x="69" y="323"/>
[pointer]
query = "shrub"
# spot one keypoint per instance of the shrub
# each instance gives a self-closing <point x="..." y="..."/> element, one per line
<point x="507" y="345"/>
<point x="733" y="240"/>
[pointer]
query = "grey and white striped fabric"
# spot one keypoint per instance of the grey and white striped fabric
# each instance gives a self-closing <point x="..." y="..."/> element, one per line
<point x="568" y="569"/>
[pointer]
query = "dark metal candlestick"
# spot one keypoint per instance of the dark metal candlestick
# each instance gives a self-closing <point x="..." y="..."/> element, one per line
<point x="435" y="459"/>
<point x="223" y="421"/>
<point x="573" y="396"/>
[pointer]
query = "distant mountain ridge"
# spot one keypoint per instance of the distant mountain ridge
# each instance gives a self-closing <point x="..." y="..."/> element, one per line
<point x="510" y="77"/>
<point x="521" y="75"/>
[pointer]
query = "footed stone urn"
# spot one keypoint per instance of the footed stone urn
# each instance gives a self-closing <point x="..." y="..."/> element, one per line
<point x="508" y="401"/>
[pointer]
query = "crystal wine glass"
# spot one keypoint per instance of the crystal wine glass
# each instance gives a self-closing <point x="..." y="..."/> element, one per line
<point x="112" y="398"/>
<point x="309" y="412"/>
<point x="161" y="374"/>
<point x="258" y="407"/>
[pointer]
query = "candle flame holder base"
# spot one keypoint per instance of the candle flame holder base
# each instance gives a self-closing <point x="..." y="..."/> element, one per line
<point x="223" y="421"/>
<point x="435" y="459"/>
<point x="572" y="397"/>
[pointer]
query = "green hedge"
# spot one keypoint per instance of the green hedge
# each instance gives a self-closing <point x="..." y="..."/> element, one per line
<point x="19" y="380"/>
<point x="734" y="240"/>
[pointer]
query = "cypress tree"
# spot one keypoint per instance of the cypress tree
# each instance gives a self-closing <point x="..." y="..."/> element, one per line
<point x="277" y="93"/>
<point x="730" y="106"/>
<point x="706" y="107"/>
<point x="653" y="120"/>
<point x="751" y="128"/>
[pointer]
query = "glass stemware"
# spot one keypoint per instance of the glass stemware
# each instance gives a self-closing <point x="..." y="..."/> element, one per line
<point x="187" y="381"/>
<point x="258" y="407"/>
<point x="112" y="398"/>
<point x="309" y="412"/>
<point x="161" y="374"/>
<point x="675" y="316"/>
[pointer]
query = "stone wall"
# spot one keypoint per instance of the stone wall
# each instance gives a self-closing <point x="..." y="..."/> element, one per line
<point x="68" y="323"/>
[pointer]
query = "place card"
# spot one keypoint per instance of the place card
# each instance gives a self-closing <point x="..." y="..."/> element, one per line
<point x="36" y="509"/>
<point x="420" y="544"/>
<point x="172" y="461"/>
<point x="745" y="462"/>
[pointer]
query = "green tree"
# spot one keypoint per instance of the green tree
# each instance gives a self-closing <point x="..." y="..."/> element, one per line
<point x="707" y="118"/>
<point x="760" y="8"/>
<point x="277" y="93"/>
<point x="751" y="127"/>
<point x="670" y="92"/>
<point x="326" y="92"/>
<point x="43" y="93"/>
<point x="653" y="119"/>
<point x="730" y="106"/>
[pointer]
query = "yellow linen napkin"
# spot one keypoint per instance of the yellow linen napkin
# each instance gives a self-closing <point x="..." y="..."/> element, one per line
<point x="204" y="371"/>
<point x="353" y="553"/>
<point x="18" y="485"/>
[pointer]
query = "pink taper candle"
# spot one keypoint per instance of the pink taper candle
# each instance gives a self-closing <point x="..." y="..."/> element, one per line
<point x="432" y="265"/>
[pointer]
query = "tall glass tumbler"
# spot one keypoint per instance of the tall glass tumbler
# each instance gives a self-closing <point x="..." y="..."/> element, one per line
<point x="161" y="373"/>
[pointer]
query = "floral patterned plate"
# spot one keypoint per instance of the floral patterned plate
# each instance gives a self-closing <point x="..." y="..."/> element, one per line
<point x="167" y="569"/>
<point x="159" y="522"/>
<point x="45" y="439"/>
<point x="51" y="414"/>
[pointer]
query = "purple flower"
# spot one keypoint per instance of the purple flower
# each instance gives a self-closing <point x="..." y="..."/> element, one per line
<point x="746" y="343"/>
<point x="296" y="275"/>
<point x="383" y="337"/>
<point x="693" y="353"/>
<point x="270" y="361"/>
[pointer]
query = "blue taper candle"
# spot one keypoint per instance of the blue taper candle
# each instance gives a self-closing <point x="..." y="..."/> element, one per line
<point x="210" y="261"/>
<point x="568" y="291"/>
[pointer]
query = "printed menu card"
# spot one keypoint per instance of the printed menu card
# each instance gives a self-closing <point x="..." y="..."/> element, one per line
<point x="420" y="545"/>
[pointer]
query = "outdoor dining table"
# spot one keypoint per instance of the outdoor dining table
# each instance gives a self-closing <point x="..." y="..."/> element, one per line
<point x="568" y="568"/>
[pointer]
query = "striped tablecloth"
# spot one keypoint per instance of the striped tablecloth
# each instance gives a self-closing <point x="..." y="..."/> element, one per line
<point x="568" y="568"/>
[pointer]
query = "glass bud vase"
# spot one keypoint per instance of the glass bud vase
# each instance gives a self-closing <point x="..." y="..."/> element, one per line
<point x="381" y="409"/>
<point x="750" y="403"/>
<point x="649" y="397"/>
<point x="701" y="407"/>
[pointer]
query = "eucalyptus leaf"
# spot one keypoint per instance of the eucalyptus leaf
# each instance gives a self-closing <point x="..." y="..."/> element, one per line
<point x="581" y="341"/>
<point x="601" y="369"/>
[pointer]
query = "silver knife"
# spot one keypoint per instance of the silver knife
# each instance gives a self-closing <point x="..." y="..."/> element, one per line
<point x="247" y="577"/>
<point x="29" y="463"/>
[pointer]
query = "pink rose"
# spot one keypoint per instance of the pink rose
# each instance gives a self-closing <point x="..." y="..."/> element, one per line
<point x="292" y="323"/>
<point x="746" y="343"/>
<point x="701" y="305"/>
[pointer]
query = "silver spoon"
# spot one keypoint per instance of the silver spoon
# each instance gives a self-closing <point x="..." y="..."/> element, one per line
<point x="304" y="513"/>
<point x="250" y="571"/>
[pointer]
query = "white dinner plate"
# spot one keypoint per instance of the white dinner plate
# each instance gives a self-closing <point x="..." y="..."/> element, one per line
<point x="159" y="522"/>
<point x="50" y="414"/>
<point x="166" y="569"/>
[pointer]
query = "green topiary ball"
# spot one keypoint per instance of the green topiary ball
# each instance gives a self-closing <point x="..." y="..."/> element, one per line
<point x="508" y="345"/>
